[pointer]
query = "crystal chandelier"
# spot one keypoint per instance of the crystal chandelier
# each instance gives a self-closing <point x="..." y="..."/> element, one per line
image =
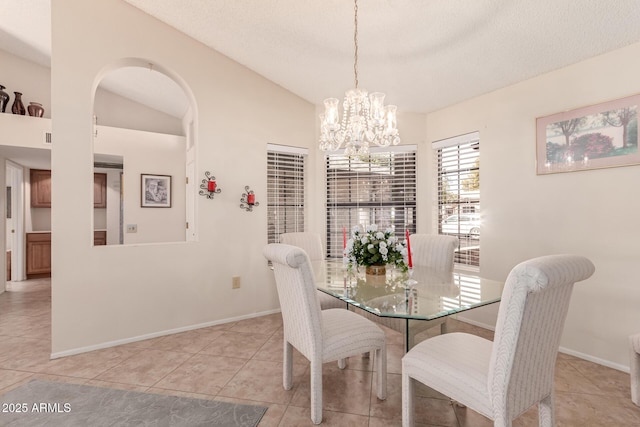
<point x="365" y="119"/>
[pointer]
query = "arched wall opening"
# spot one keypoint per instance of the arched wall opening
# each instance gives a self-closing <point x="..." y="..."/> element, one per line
<point x="143" y="153"/>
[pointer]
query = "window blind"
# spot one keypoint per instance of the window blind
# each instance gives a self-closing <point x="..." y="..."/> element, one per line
<point x="381" y="190"/>
<point x="285" y="190"/>
<point x="458" y="166"/>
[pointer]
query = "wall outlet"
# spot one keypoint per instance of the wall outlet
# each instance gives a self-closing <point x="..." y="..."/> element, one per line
<point x="235" y="282"/>
<point x="132" y="228"/>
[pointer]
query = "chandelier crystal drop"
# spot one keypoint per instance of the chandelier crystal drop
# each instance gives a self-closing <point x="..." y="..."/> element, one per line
<point x="365" y="118"/>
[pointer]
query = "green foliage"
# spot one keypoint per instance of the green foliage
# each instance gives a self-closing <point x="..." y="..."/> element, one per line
<point x="374" y="247"/>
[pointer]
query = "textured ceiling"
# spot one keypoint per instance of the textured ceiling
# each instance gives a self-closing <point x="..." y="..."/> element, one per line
<point x="424" y="54"/>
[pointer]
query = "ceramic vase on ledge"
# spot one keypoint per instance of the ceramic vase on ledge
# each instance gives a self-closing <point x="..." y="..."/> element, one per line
<point x="4" y="99"/>
<point x="18" y="106"/>
<point x="35" y="109"/>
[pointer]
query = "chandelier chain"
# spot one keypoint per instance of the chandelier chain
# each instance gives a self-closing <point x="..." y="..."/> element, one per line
<point x="355" y="42"/>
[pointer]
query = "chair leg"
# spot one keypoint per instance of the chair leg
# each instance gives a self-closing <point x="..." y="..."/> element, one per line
<point x="287" y="366"/>
<point x="546" y="416"/>
<point x="408" y="405"/>
<point x="342" y="363"/>
<point x="381" y="361"/>
<point x="316" y="391"/>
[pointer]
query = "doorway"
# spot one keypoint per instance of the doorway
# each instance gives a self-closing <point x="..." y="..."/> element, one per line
<point x="15" y="221"/>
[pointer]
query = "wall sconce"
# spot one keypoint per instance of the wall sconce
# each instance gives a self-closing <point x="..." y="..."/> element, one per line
<point x="248" y="200"/>
<point x="209" y="186"/>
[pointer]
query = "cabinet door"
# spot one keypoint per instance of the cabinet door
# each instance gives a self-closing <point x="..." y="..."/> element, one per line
<point x="99" y="238"/>
<point x="99" y="190"/>
<point x="40" y="188"/>
<point x="38" y="254"/>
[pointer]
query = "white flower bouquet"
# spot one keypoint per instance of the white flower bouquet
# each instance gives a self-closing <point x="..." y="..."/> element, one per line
<point x="371" y="246"/>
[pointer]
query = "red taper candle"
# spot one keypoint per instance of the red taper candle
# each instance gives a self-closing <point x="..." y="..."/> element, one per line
<point x="410" y="261"/>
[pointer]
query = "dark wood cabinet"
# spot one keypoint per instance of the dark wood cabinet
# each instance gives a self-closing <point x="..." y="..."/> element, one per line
<point x="99" y="238"/>
<point x="99" y="190"/>
<point x="38" y="255"/>
<point x="41" y="189"/>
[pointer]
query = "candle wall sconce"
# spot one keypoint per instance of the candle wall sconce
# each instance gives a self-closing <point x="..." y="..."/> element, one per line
<point x="208" y="186"/>
<point x="248" y="200"/>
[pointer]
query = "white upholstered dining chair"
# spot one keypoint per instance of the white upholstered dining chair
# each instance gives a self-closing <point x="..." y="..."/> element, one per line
<point x="320" y="335"/>
<point x="312" y="245"/>
<point x="503" y="378"/>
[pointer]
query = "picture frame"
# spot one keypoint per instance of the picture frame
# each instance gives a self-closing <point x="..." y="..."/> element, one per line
<point x="599" y="136"/>
<point x="155" y="191"/>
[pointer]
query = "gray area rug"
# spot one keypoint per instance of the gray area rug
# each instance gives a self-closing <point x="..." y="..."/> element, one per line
<point x="44" y="403"/>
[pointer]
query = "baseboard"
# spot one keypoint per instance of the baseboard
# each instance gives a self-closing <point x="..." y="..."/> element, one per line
<point x="588" y="357"/>
<point x="563" y="350"/>
<point x="475" y="323"/>
<point x="115" y="343"/>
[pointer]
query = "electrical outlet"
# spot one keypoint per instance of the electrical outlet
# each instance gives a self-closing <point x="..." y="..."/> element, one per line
<point x="235" y="282"/>
<point x="132" y="228"/>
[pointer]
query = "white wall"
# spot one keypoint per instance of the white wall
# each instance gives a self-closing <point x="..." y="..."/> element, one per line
<point x="114" y="293"/>
<point x="590" y="213"/>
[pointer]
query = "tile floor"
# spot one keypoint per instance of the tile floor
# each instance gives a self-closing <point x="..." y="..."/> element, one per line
<point x="241" y="362"/>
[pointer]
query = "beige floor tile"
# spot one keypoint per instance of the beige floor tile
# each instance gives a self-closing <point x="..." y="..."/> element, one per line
<point x="202" y="373"/>
<point x="261" y="380"/>
<point x="145" y="368"/>
<point x="187" y="342"/>
<point x="296" y="416"/>
<point x="236" y="344"/>
<point x="345" y="390"/>
<point x="242" y="362"/>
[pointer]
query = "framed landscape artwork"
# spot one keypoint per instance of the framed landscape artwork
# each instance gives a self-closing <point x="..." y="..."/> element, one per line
<point x="156" y="191"/>
<point x="599" y="136"/>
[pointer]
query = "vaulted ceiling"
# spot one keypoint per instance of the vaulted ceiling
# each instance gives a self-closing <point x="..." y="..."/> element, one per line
<point x="424" y="54"/>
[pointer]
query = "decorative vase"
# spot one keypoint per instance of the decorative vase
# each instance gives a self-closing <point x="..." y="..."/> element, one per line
<point x="4" y="99"/>
<point x="376" y="270"/>
<point x="35" y="109"/>
<point x="18" y="106"/>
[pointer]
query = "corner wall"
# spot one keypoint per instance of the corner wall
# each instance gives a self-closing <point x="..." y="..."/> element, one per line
<point x="589" y="213"/>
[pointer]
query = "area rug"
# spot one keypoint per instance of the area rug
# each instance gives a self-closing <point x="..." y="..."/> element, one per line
<point x="39" y="403"/>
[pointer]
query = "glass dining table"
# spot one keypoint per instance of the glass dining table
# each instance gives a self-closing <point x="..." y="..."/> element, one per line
<point x="408" y="302"/>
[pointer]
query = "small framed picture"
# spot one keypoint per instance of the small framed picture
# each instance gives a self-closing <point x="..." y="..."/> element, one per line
<point x="156" y="191"/>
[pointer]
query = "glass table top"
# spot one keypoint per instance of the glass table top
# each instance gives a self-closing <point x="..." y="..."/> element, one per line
<point x="426" y="295"/>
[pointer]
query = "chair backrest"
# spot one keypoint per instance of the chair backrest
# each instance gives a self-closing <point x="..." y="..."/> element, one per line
<point x="298" y="299"/>
<point x="307" y="241"/>
<point x="435" y="251"/>
<point x="533" y="308"/>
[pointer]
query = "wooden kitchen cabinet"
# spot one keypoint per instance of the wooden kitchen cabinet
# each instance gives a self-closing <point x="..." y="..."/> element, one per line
<point x="99" y="190"/>
<point x="99" y="238"/>
<point x="38" y="255"/>
<point x="41" y="189"/>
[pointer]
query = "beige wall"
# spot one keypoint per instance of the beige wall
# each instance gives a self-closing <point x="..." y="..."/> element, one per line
<point x="589" y="213"/>
<point x="115" y="293"/>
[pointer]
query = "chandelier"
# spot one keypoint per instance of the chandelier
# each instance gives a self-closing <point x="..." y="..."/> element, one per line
<point x="365" y="118"/>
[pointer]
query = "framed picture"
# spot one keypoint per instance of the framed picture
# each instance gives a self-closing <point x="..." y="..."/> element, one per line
<point x="599" y="136"/>
<point x="156" y="191"/>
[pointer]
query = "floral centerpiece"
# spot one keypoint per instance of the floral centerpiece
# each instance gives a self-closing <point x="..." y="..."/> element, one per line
<point x="372" y="247"/>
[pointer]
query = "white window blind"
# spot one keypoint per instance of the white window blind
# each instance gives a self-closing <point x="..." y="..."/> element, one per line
<point x="381" y="191"/>
<point x="458" y="169"/>
<point x="285" y="190"/>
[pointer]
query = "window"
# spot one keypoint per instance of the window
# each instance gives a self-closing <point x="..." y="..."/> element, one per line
<point x="459" y="194"/>
<point x="380" y="191"/>
<point x="285" y="190"/>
